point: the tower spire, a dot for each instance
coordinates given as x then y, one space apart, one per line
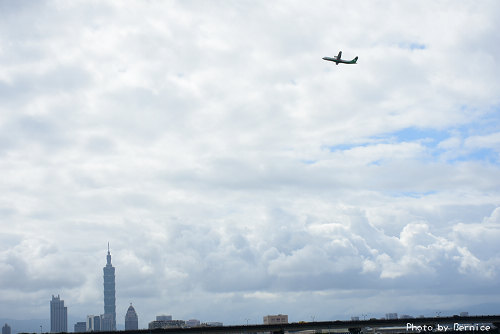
108 257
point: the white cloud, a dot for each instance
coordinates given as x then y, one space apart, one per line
232 169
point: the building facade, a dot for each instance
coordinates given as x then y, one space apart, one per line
58 315
405 316
93 323
108 319
131 319
107 322
166 324
193 323
212 324
275 319
80 327
6 329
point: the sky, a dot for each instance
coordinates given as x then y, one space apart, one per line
235 173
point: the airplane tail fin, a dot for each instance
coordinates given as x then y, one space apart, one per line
355 60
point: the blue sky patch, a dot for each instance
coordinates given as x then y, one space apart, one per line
345 147
412 194
413 46
481 154
430 136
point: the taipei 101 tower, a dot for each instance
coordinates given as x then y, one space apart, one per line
108 321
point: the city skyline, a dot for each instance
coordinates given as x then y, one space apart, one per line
235 173
59 315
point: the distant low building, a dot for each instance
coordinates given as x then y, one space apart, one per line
275 319
93 323
391 316
80 327
405 316
464 314
193 323
166 324
163 317
212 324
354 318
6 329
156 324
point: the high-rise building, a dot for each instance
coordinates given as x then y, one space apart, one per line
6 329
108 319
58 315
80 327
131 320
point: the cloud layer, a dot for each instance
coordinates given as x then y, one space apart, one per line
236 174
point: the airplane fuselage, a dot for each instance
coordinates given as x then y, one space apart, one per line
338 59
334 59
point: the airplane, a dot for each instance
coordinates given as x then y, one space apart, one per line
338 60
